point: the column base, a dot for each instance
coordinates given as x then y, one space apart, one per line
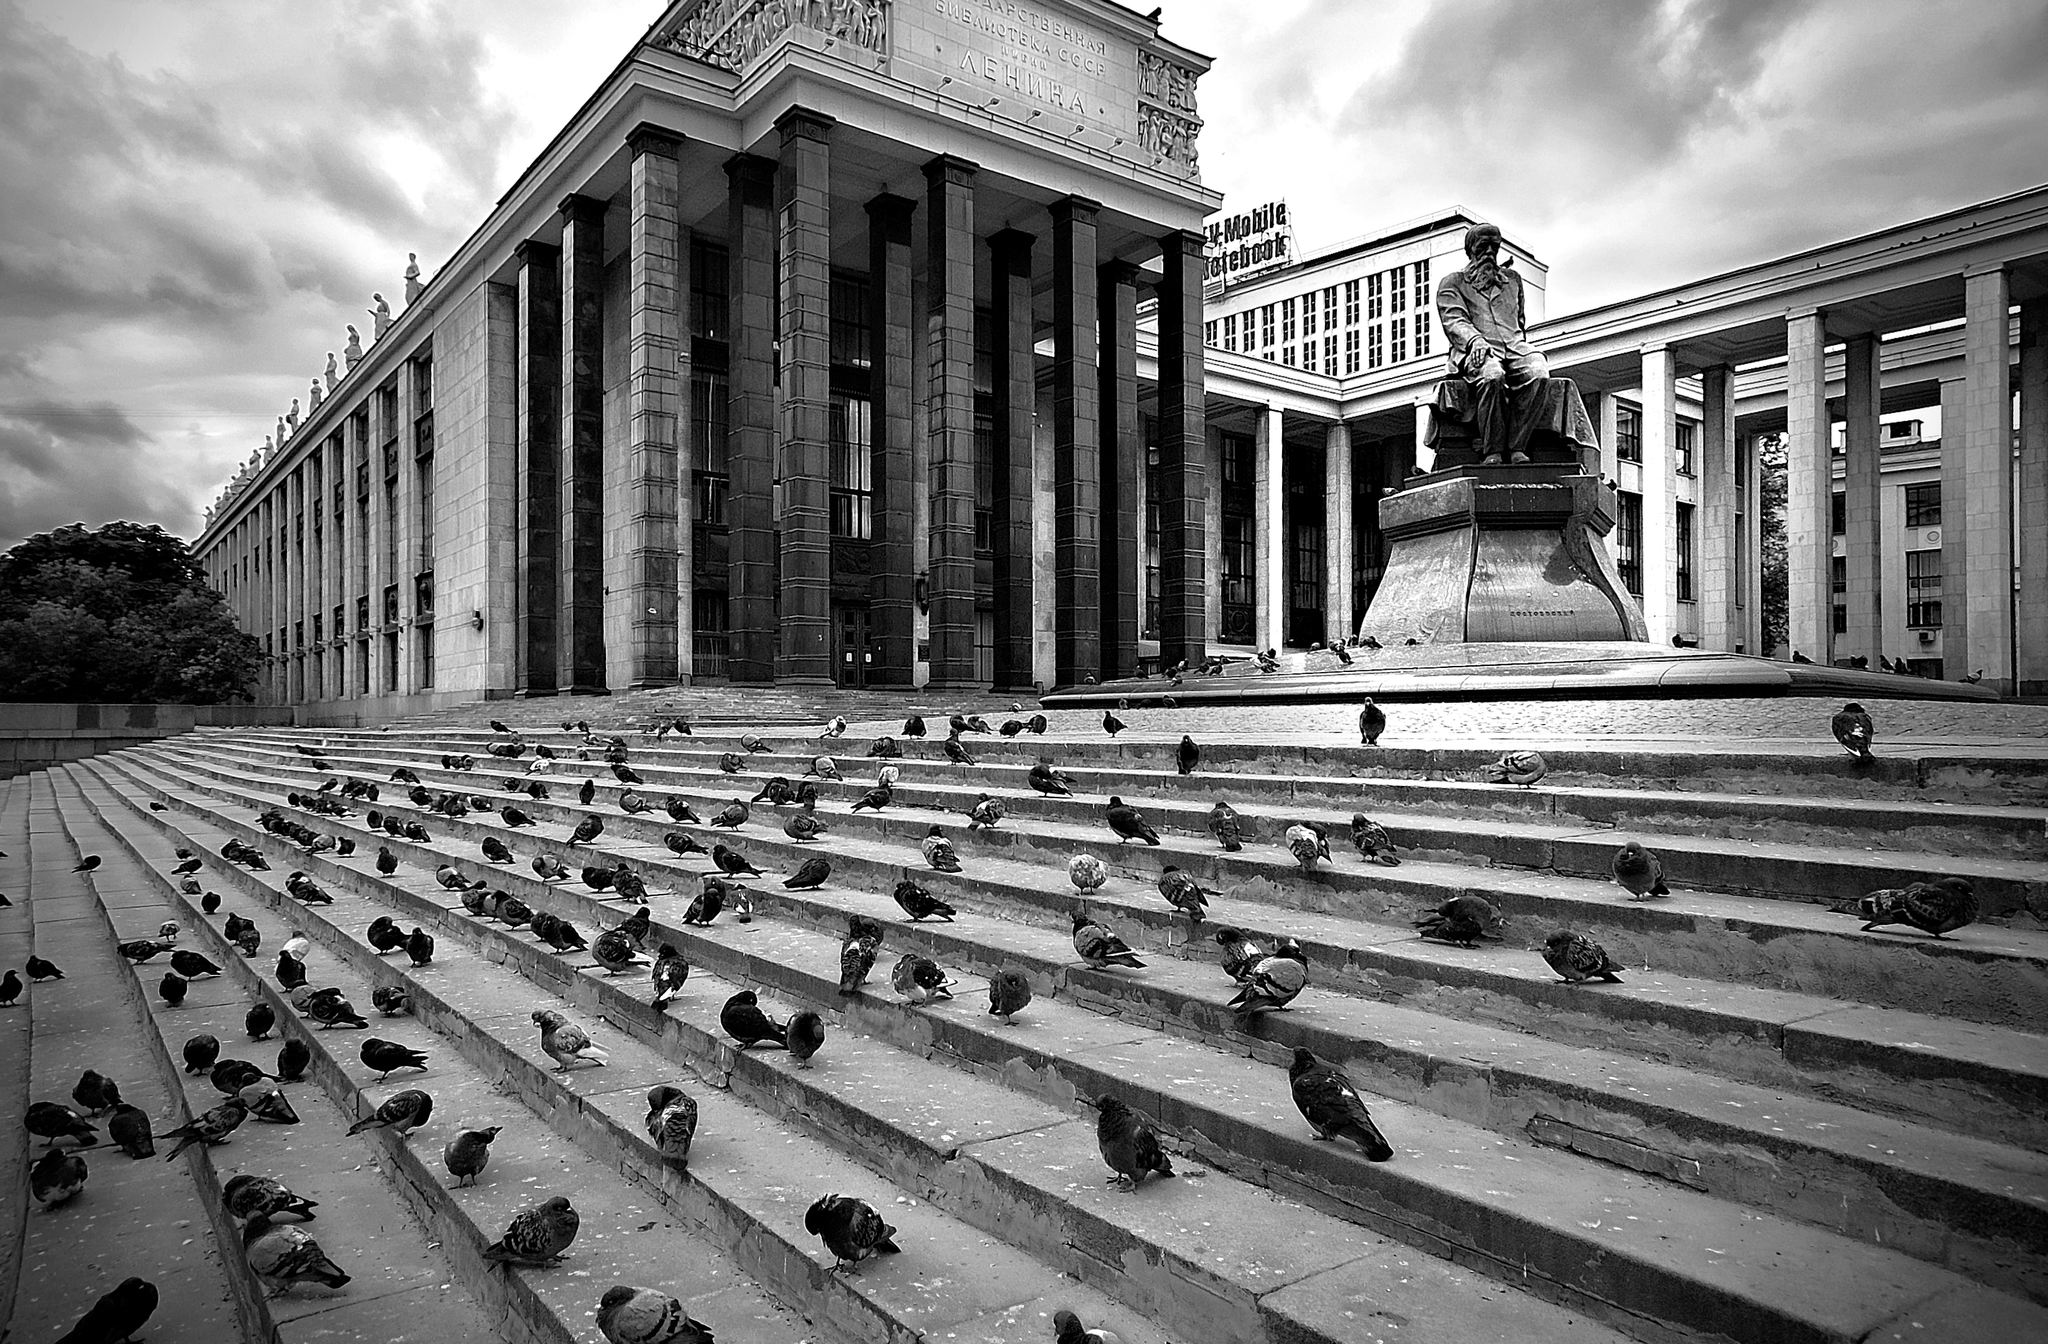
962 686
586 690
535 693
1028 689
804 679
656 683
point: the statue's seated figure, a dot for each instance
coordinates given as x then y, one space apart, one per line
1500 406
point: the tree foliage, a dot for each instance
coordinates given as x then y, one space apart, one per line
1777 596
120 613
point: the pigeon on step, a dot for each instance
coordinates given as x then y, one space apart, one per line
1640 871
565 1042
468 1153
671 1122
1129 1144
850 1229
1577 958
1332 1106
629 1315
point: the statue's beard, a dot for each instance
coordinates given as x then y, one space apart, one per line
1484 272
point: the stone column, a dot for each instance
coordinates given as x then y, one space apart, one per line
1753 547
656 544
1338 621
1955 536
539 393
1121 469
1425 456
1014 388
2033 500
1863 531
1076 443
750 436
1716 545
892 610
804 201
1660 517
408 532
1212 538
1183 452
579 650
1269 541
1984 487
949 357
1808 544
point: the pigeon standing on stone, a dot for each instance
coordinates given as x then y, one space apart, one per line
1241 952
1273 983
804 1036
1185 894
10 988
1009 993
1640 871
259 1020
1227 827
850 1229
248 1196
1067 1329
286 1256
96 1093
988 811
920 980
468 1153
1049 781
629 1315
1129 1144
172 988
293 1058
1854 730
1461 919
1306 844
1128 823
857 952
920 904
129 1128
1518 767
200 1052
1332 1106
671 1122
1187 756
1087 873
387 1056
744 1021
1371 840
213 1127
1935 908
1099 946
401 1113
810 875
56 1177
565 1043
1576 957
938 851
1111 724
1372 721
670 971
39 969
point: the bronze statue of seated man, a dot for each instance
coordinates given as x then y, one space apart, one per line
1500 406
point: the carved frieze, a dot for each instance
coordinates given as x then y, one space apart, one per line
1168 124
1171 138
734 34
1167 83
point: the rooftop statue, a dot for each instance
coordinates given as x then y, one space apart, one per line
314 404
412 278
1500 391
291 417
280 439
331 375
380 316
353 351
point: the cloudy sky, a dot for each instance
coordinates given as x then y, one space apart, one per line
200 194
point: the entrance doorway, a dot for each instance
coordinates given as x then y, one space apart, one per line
851 655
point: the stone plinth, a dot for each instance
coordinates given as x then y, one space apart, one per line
1501 555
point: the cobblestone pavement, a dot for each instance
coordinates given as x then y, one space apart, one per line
1776 724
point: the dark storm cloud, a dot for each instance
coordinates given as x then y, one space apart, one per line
62 463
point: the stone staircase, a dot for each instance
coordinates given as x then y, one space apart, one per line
1777 1128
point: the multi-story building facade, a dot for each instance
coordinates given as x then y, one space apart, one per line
872 344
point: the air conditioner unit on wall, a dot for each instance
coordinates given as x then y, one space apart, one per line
1926 636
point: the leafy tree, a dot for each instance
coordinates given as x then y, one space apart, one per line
1777 597
117 614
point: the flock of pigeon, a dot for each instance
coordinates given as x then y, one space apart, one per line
1266 977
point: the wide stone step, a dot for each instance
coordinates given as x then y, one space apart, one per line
1210 1284
1543 1214
401 1282
1784 953
1803 871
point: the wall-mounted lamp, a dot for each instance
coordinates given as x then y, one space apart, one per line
923 590
476 620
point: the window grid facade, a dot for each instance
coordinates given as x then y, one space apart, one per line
1684 447
1351 303
1628 432
1628 539
1682 548
1923 505
1375 296
1351 351
1923 588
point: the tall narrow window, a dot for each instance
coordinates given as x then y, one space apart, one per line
1685 446
1838 514
1397 290
1308 314
1628 539
1682 544
1397 340
1923 505
1351 351
1923 588
1628 432
1287 322
1422 285
1838 590
1421 331
1375 297
1230 331
1351 303
709 414
852 468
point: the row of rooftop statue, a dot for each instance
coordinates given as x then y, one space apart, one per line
1498 407
351 355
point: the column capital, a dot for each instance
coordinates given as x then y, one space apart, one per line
802 123
1986 268
648 138
1119 272
1012 245
533 250
1189 241
580 209
1078 209
951 168
890 209
750 169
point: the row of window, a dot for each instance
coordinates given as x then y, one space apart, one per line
1628 544
1304 331
1923 508
1923 589
1628 439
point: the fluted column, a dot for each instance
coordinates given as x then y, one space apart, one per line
1122 470
580 625
750 438
538 388
1014 391
803 201
1809 546
1183 450
1980 484
949 400
1076 445
892 612
1862 530
1660 497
